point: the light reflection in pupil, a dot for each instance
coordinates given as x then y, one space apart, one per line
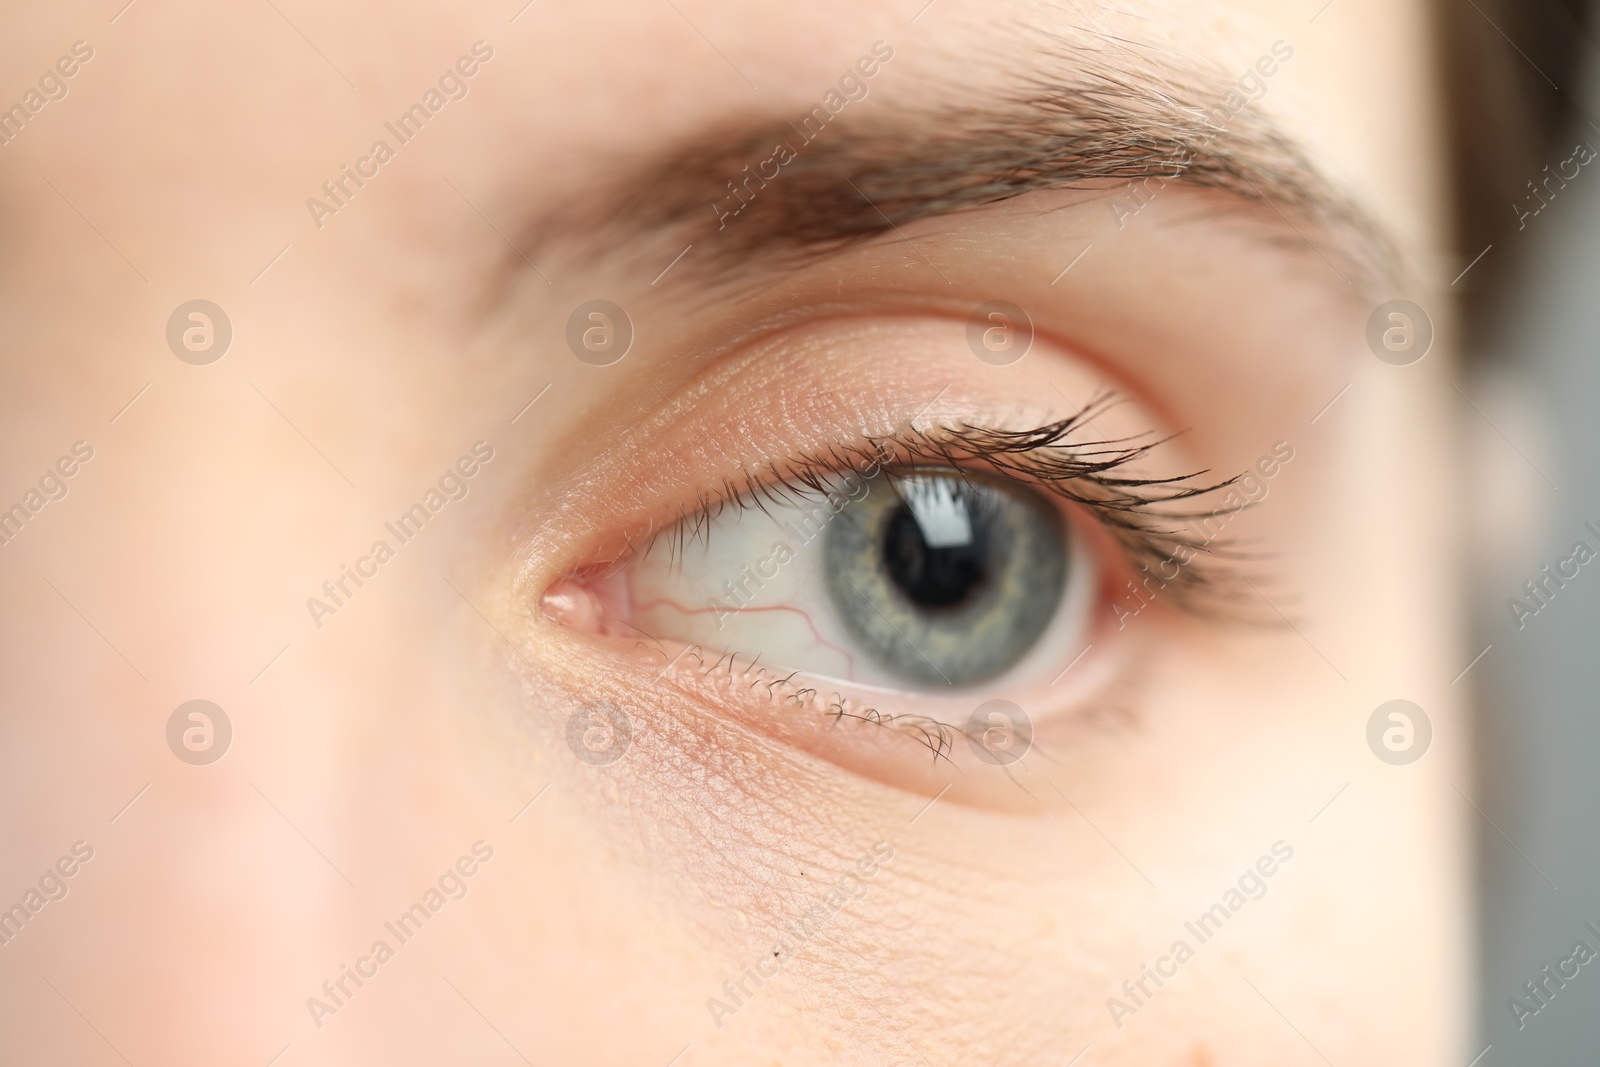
943 578
935 575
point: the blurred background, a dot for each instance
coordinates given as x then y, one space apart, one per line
1527 77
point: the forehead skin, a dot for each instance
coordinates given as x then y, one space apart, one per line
370 351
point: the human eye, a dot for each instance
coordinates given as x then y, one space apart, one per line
813 514
920 577
908 580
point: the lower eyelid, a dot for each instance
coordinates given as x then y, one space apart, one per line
907 746
910 742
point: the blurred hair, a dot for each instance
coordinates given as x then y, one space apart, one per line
1512 78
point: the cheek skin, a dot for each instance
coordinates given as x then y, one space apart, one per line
742 836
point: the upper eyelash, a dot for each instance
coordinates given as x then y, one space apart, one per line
1144 515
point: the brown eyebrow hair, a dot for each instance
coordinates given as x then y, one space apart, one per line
1102 128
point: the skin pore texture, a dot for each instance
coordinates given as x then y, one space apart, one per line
906 903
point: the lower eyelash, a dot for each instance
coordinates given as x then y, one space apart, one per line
937 736
1145 516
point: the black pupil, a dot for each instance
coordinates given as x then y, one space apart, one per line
933 577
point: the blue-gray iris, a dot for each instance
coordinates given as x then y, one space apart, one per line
945 578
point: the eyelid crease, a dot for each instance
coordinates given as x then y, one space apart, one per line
1144 515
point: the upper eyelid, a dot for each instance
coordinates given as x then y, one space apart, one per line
1137 511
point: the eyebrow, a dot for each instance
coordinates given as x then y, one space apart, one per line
1130 129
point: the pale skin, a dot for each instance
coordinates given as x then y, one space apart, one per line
619 912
